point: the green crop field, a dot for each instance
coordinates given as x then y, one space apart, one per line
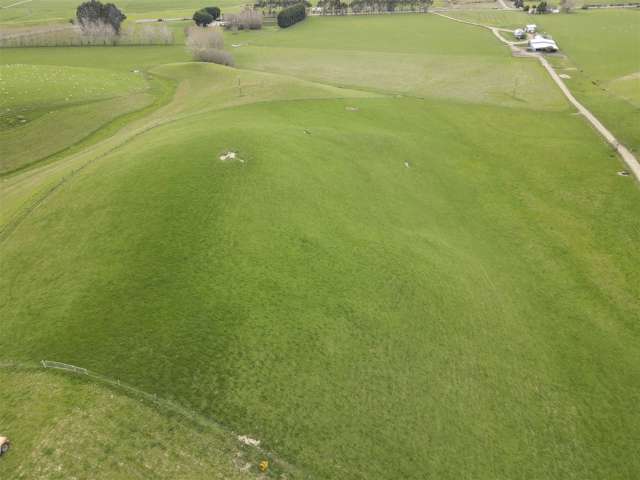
421 263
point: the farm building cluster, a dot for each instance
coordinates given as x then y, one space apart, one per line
537 42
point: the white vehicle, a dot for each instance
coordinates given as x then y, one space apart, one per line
519 33
4 445
531 28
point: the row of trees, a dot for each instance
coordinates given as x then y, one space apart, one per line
276 5
206 15
291 15
97 34
338 7
541 8
248 19
565 6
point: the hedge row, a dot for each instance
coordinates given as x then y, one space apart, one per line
291 15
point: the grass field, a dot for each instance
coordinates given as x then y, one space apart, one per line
604 74
70 426
40 11
392 61
77 100
421 263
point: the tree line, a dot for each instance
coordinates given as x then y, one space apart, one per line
338 7
291 15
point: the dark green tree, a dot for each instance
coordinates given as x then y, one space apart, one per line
95 12
202 18
213 11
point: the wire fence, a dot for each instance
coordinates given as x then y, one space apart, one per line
152 397
161 403
64 366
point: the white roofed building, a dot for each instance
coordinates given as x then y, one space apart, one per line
542 44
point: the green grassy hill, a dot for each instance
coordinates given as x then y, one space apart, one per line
394 278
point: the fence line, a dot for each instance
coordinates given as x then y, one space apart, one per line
64 366
163 403
148 396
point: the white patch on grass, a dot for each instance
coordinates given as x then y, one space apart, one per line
252 442
352 109
406 164
228 156
564 75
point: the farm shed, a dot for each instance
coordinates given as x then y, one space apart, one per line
542 44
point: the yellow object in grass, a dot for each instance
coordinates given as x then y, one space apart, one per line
264 465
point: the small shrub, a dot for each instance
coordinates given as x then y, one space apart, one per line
198 38
291 15
206 45
214 55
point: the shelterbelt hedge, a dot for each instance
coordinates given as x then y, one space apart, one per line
291 15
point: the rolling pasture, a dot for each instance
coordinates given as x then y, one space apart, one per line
420 263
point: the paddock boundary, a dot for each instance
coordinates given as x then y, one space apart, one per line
165 404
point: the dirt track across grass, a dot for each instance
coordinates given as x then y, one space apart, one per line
629 159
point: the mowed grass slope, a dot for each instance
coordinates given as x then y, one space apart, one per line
474 314
382 287
64 427
416 55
